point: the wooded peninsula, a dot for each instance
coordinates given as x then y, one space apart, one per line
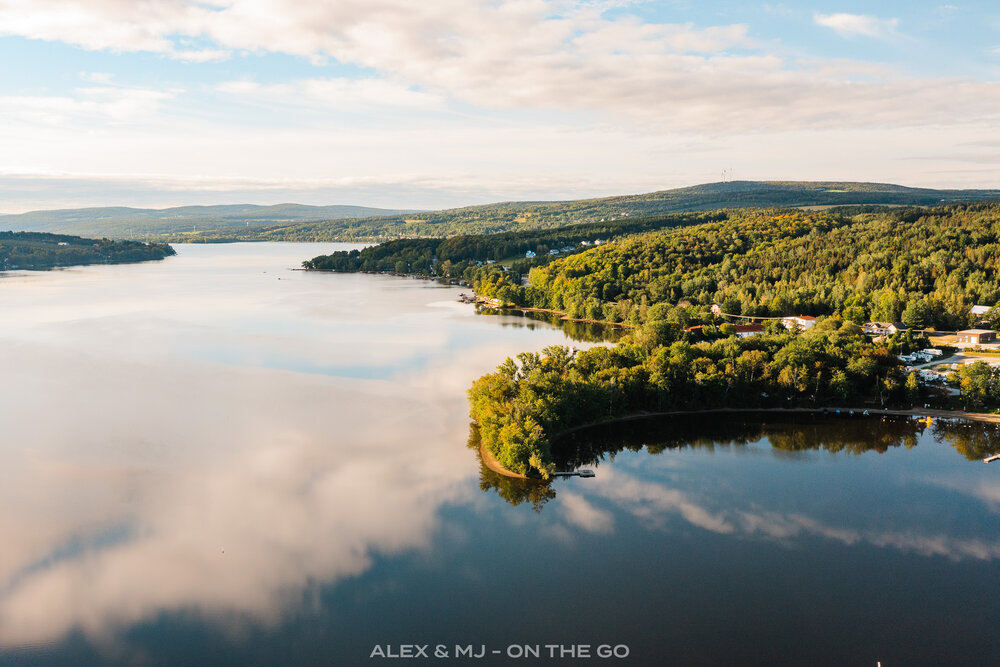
37 251
687 281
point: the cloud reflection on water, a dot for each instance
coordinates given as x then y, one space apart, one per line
231 502
658 503
202 452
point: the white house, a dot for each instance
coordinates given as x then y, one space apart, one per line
800 322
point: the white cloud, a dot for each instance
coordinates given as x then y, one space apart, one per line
529 54
858 24
555 98
102 104
102 78
339 93
583 514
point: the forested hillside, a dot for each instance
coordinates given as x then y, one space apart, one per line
30 250
452 256
925 266
180 223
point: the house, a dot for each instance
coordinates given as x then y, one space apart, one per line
529 255
881 328
716 309
744 330
979 311
800 322
553 252
976 336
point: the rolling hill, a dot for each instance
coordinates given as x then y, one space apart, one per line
291 222
125 222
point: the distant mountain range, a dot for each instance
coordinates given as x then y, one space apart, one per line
294 222
125 222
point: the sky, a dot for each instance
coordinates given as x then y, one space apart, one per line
439 103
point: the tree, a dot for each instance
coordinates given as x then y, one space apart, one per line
912 388
916 315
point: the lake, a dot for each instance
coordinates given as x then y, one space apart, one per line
215 459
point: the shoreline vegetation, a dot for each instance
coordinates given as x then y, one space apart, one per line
811 278
38 251
847 412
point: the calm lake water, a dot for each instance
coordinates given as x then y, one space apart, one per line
216 460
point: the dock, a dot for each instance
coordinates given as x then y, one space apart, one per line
989 459
584 472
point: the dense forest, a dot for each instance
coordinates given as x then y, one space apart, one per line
36 250
527 215
461 256
525 403
926 267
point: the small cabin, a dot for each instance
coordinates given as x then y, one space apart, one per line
744 330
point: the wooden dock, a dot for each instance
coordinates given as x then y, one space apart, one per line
583 472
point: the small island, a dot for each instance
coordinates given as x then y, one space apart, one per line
37 251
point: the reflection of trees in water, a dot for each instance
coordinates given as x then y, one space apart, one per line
710 431
973 440
516 491
512 489
592 445
847 435
586 332
786 432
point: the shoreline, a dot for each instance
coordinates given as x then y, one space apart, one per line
562 315
490 461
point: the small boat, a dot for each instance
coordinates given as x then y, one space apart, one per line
989 459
